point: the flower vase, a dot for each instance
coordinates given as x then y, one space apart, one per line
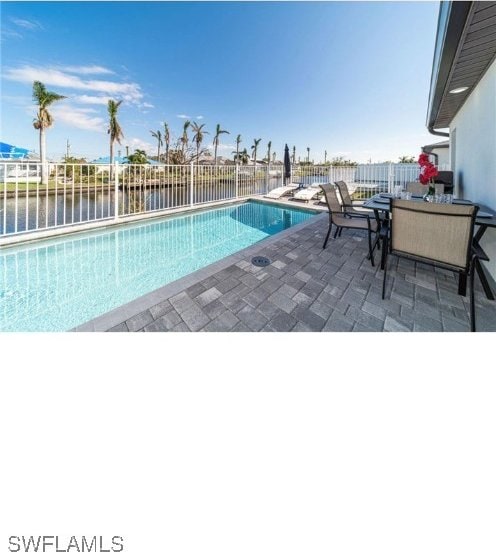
429 195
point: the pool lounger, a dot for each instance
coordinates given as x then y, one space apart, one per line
276 193
308 193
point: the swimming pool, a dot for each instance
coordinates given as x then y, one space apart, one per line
57 284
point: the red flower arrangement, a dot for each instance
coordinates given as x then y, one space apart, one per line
427 171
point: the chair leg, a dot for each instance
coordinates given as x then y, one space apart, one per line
371 253
472 298
384 252
327 237
384 266
336 232
340 231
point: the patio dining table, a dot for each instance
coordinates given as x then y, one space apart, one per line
486 218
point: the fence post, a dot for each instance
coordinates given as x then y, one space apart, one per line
236 179
390 178
191 182
329 174
267 176
116 189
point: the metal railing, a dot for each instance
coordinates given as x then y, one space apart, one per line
363 180
82 193
77 194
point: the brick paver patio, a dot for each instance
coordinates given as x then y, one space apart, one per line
307 288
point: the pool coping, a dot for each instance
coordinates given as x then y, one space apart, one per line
122 313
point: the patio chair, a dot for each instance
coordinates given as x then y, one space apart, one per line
347 202
277 193
433 233
417 188
340 220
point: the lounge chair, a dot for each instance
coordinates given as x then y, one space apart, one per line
309 193
433 233
340 220
277 193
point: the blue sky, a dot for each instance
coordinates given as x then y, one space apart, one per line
348 77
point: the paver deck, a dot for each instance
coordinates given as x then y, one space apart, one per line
305 288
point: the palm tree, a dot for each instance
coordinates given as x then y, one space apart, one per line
238 141
406 159
184 139
254 148
167 142
269 146
158 136
114 128
198 138
244 157
43 120
139 157
218 132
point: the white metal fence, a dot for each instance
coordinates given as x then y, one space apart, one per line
81 193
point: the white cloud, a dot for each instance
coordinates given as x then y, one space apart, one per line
30 25
130 92
182 116
222 147
149 105
87 70
97 100
9 33
137 143
199 117
78 117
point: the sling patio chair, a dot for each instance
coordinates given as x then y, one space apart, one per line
347 202
433 233
416 188
340 220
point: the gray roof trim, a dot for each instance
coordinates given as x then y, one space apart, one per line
429 147
465 49
451 24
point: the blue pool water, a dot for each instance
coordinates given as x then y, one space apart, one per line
57 284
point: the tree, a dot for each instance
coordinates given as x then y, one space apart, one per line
308 155
244 157
407 159
139 157
184 140
167 142
294 155
158 136
269 147
342 162
114 129
198 136
254 148
218 132
44 120
238 141
325 157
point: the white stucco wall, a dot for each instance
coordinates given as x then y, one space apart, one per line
473 152
443 158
